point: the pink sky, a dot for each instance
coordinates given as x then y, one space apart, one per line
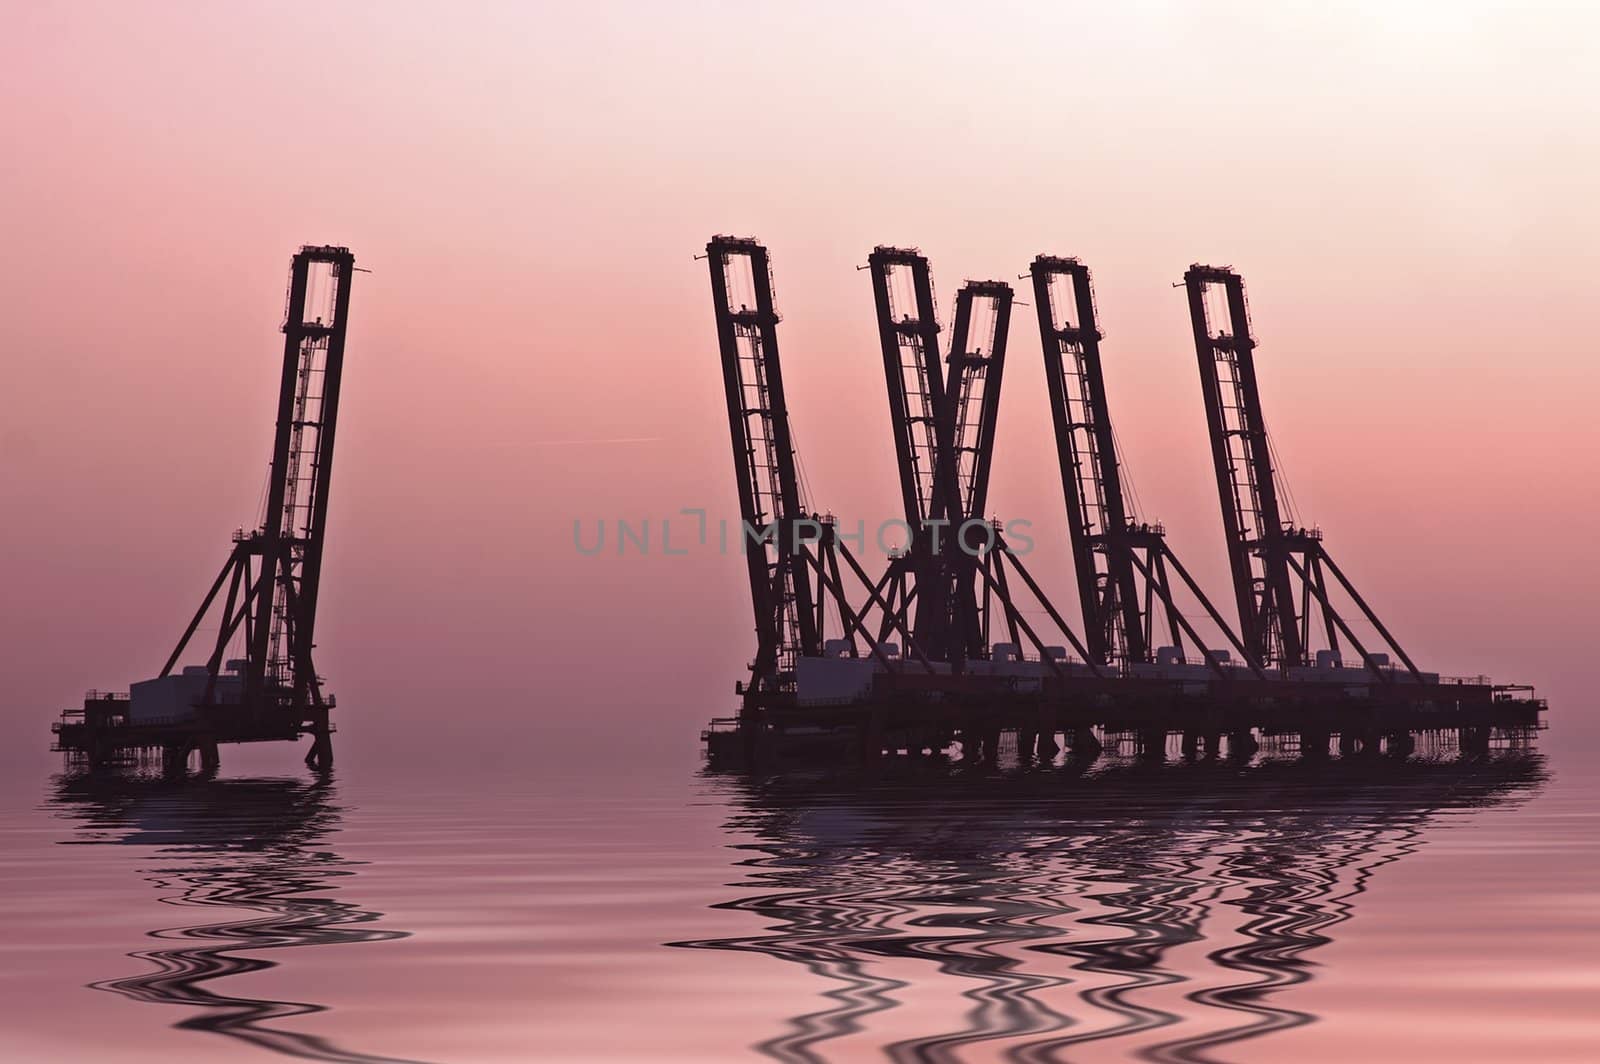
1409 193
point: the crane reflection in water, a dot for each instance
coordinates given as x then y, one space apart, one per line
250 860
1063 900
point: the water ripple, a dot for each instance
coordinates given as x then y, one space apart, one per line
1165 911
253 854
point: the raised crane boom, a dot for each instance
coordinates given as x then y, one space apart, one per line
291 536
975 368
770 502
943 418
919 416
1280 571
1091 480
908 335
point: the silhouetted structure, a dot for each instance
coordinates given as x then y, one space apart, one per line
1121 562
273 576
1277 567
945 596
943 413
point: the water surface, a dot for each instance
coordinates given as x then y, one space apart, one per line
1436 909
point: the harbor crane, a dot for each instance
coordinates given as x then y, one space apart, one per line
273 576
1280 569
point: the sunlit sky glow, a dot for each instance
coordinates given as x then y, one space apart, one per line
1409 191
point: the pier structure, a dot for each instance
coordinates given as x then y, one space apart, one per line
264 600
955 645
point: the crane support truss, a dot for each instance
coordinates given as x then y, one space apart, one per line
1280 571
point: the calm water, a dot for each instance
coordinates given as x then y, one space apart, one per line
1432 910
